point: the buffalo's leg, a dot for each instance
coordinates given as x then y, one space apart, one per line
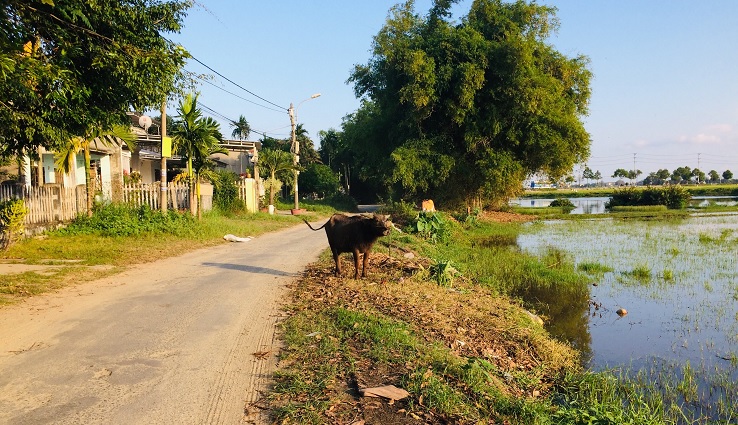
356 264
366 260
337 260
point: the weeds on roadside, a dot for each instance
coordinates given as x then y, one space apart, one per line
123 220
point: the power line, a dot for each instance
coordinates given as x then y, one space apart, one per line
236 84
219 115
243 98
216 113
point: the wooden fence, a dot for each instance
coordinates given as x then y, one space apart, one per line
178 195
51 205
48 205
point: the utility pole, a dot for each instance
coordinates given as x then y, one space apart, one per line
635 176
295 152
296 146
163 181
698 167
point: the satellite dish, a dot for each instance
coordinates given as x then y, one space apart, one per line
145 122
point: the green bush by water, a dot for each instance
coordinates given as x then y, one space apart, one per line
673 197
563 203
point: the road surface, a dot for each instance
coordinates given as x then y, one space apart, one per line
185 340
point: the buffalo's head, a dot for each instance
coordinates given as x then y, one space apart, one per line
381 224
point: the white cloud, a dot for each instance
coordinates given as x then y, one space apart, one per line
712 135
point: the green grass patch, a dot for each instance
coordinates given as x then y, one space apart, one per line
640 273
547 212
638 208
594 268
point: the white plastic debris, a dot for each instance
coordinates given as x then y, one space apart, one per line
234 238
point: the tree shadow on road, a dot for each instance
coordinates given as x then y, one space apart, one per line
250 269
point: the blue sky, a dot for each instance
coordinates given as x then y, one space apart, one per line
665 84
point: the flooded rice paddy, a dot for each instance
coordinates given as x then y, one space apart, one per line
678 281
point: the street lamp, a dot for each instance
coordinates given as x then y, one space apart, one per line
296 146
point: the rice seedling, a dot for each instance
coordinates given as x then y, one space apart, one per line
594 268
641 273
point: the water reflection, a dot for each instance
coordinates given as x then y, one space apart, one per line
708 201
582 205
567 312
596 205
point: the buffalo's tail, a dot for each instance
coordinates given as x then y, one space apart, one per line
311 227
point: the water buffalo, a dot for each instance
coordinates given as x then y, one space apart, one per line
355 234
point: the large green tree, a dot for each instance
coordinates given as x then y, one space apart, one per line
319 179
681 173
337 154
464 111
69 66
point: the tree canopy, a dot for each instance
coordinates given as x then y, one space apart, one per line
69 65
464 111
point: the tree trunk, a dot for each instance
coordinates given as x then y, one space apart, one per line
271 190
88 180
191 180
198 196
40 168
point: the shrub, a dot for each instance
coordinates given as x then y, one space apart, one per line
342 202
443 273
622 197
319 179
402 213
469 218
431 226
564 203
124 220
12 216
674 197
225 192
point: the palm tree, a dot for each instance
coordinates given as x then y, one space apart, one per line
65 157
274 162
202 162
241 129
194 137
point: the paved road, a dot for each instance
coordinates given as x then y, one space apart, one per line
170 342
